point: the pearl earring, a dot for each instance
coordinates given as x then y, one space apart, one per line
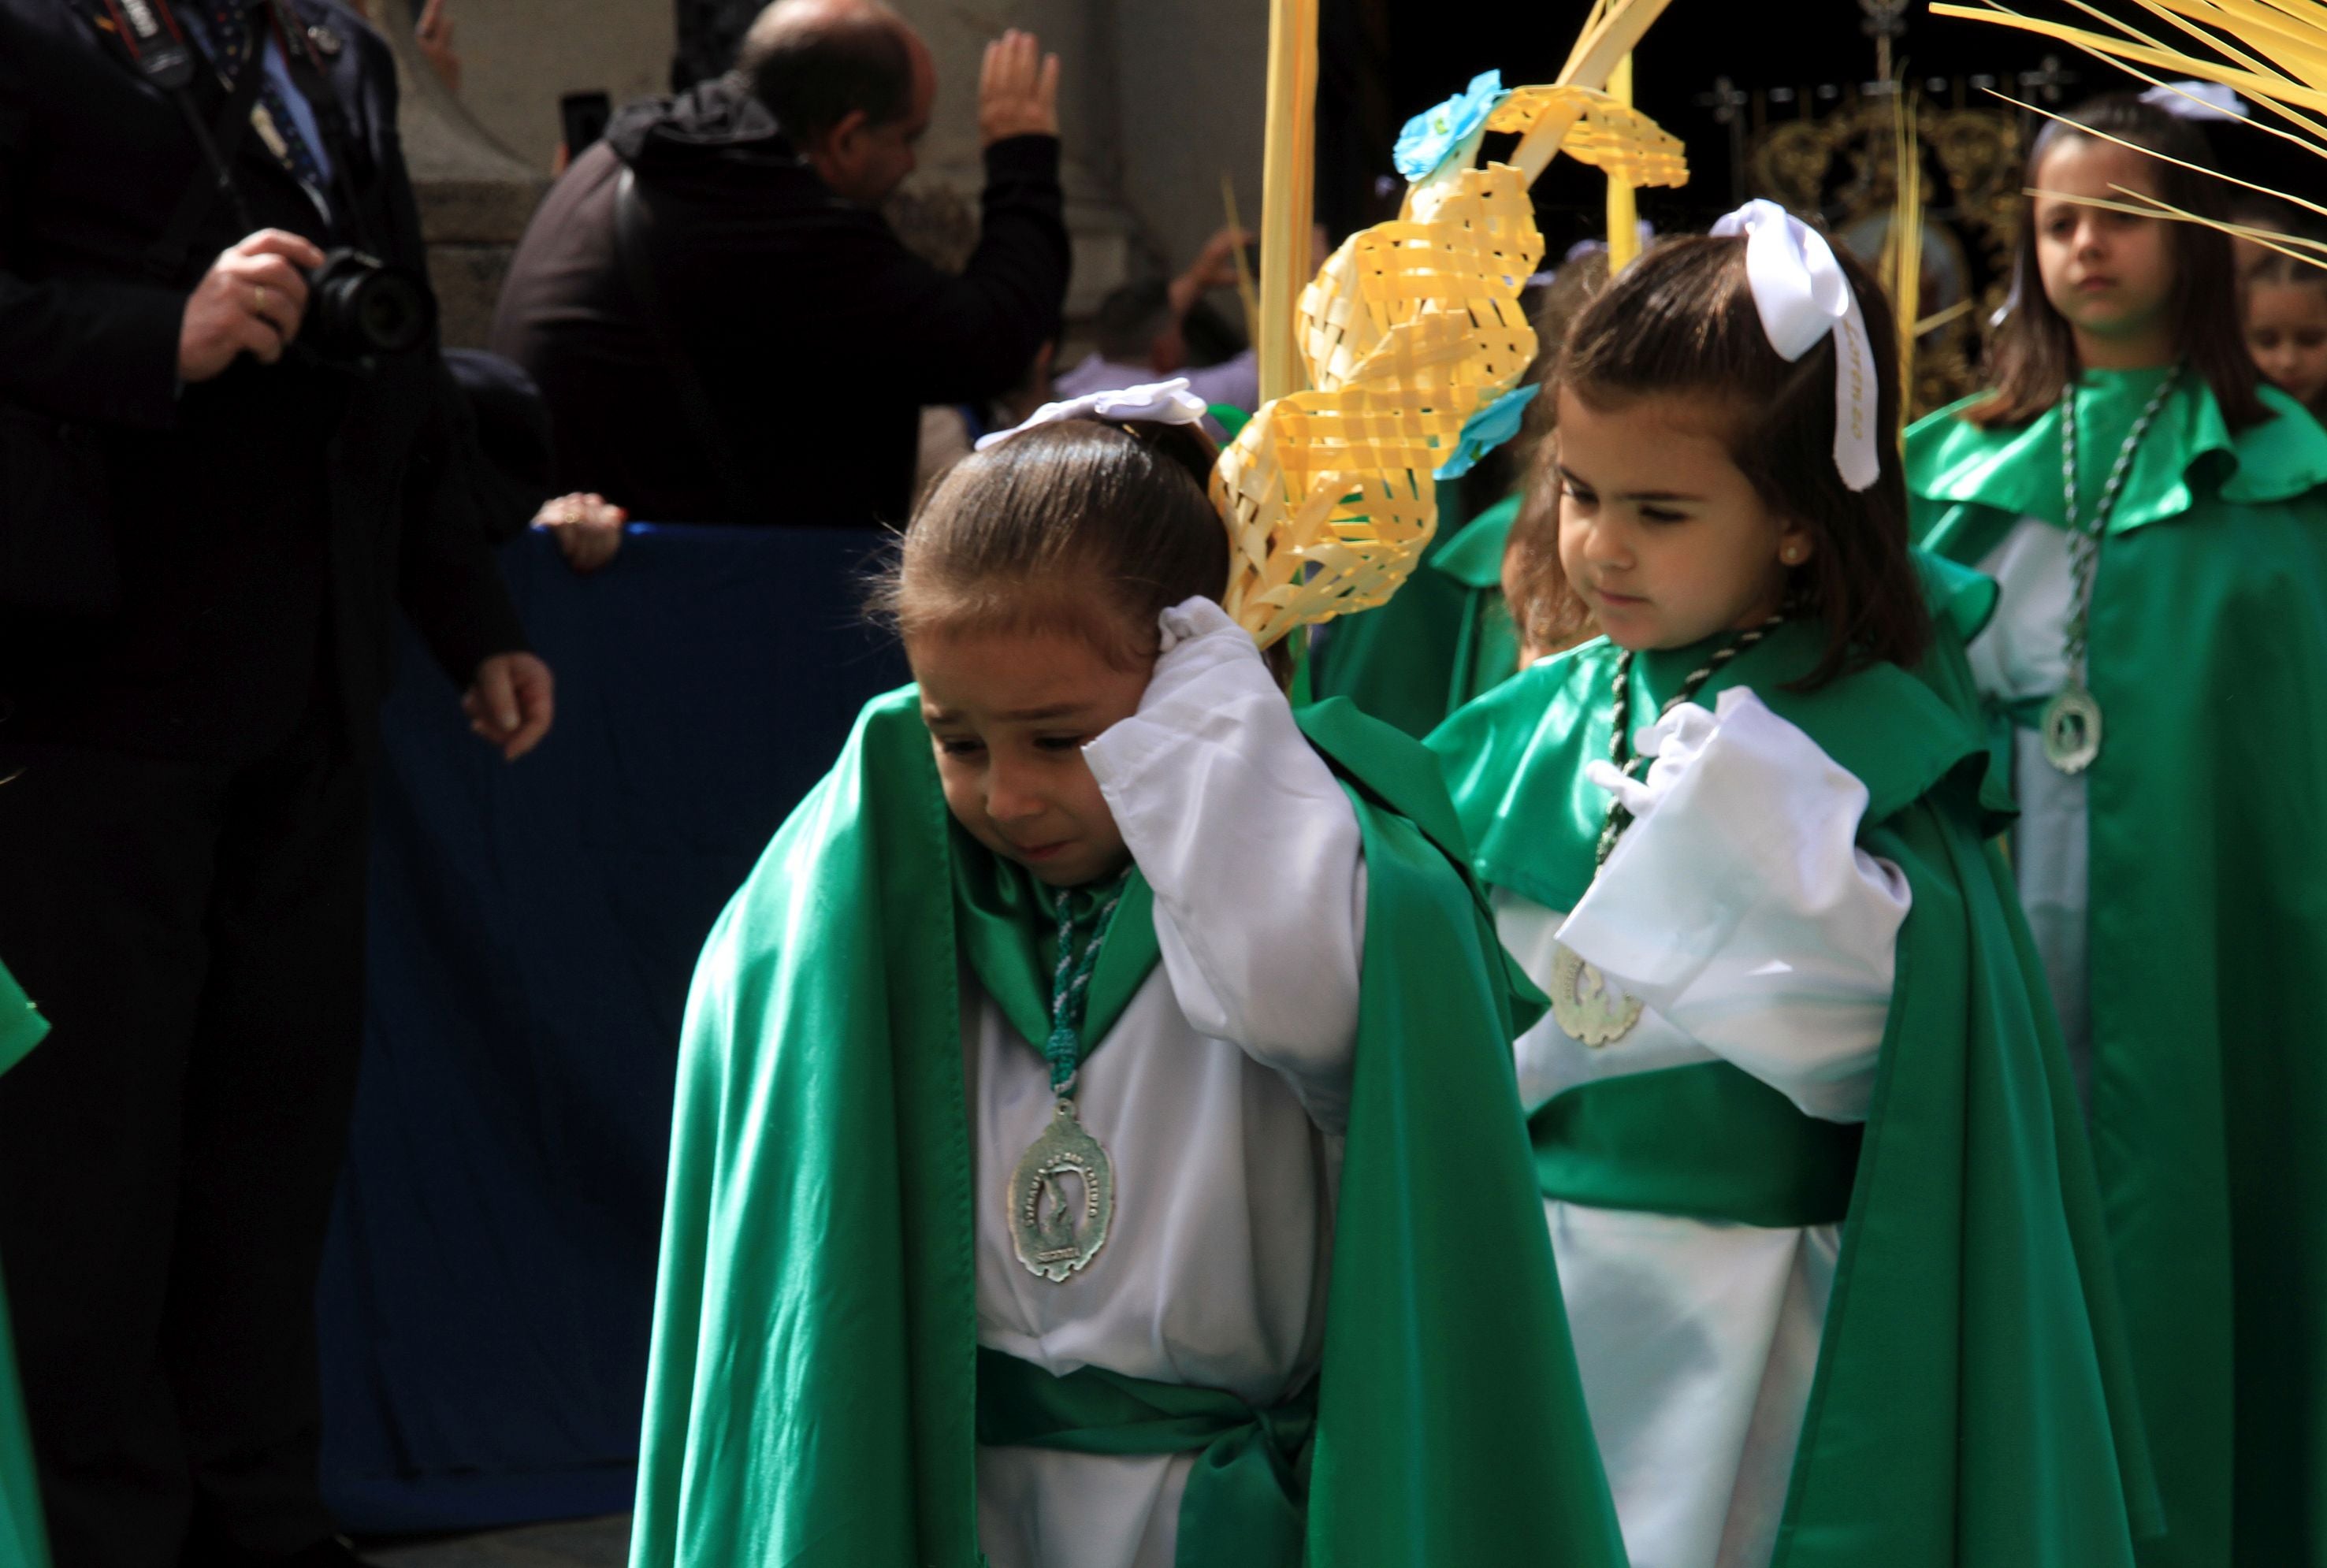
1791 554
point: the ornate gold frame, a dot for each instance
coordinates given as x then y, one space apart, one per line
1977 151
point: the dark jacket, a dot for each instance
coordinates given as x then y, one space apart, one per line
815 334
267 521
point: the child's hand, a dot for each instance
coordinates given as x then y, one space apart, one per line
1208 662
1195 618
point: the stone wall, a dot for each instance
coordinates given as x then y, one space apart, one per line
1159 99
475 195
518 56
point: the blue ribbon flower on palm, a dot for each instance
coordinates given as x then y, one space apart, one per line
1432 136
1487 429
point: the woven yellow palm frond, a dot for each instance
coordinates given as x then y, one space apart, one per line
1409 330
1328 494
1474 253
1602 131
2273 53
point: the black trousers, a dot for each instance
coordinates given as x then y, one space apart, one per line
194 933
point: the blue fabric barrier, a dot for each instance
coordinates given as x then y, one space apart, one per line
486 1296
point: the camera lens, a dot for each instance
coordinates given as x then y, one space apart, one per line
389 313
361 307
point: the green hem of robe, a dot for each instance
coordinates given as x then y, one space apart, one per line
24 1535
810 1397
2208 932
1972 1403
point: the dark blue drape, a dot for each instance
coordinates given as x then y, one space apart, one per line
486 1297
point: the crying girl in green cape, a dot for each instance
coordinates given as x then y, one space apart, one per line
1097 1144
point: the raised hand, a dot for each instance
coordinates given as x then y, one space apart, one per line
433 33
1017 89
1214 267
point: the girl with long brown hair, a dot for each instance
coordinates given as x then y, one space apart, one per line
2154 517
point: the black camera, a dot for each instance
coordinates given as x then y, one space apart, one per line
359 306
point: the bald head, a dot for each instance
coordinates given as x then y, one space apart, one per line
814 62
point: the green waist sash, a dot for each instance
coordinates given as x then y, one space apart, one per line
1709 1140
1245 1505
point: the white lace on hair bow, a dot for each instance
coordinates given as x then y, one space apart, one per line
1802 295
1165 402
2197 100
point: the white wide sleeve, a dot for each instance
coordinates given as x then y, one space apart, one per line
1252 851
1742 911
2020 655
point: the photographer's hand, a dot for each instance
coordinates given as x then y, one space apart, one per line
1017 89
251 301
510 703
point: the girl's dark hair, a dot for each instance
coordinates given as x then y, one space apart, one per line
2034 351
1681 322
1081 527
2278 267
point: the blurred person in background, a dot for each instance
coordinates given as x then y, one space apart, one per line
1140 335
724 325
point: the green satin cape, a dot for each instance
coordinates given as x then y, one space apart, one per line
810 1397
1443 639
1971 1404
2208 931
23 1536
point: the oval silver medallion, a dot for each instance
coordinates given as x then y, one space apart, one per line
1061 1198
2072 729
1584 1005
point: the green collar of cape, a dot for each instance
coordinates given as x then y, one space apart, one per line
1515 758
2017 471
1442 639
2207 932
24 1538
1009 934
811 1395
1972 1404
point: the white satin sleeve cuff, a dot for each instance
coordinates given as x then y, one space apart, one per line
1742 911
1254 852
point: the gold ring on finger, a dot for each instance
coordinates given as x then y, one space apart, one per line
259 298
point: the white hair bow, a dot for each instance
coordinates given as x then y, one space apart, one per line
1801 293
1164 402
2196 100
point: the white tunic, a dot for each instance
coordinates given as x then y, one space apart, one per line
1741 912
2021 657
1219 1094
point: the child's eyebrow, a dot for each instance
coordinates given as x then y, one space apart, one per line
931 715
1570 475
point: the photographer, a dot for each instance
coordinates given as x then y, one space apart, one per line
225 456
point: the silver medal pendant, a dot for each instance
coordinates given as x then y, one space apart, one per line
1584 1005
1061 1198
2072 729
